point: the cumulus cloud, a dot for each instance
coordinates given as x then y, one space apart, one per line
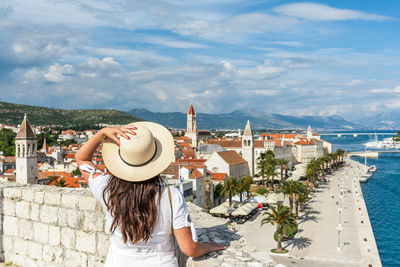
386 90
320 12
57 73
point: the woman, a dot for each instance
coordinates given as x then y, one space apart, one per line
142 212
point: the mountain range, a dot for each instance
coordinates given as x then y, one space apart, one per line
237 120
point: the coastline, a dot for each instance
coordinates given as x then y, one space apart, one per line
317 240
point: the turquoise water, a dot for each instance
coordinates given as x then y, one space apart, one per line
382 196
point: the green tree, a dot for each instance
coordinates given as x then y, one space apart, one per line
270 172
281 216
230 188
61 183
7 144
288 189
242 186
299 188
283 164
76 172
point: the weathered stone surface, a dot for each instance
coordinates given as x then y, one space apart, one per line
25 229
68 238
75 259
35 250
41 232
39 196
94 261
86 242
9 207
63 217
52 198
54 235
49 214
28 194
10 225
52 254
103 244
69 201
87 203
75 219
93 222
22 209
20 246
12 192
35 211
7 243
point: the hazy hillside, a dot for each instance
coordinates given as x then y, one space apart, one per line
238 119
14 113
383 121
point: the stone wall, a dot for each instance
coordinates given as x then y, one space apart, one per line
51 226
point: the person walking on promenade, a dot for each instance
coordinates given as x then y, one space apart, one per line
143 213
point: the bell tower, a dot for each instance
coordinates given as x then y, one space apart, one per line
26 154
191 128
248 147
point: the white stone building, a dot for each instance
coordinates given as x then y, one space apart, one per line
229 162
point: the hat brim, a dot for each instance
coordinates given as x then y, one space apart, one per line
165 154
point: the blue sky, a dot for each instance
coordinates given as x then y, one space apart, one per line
288 57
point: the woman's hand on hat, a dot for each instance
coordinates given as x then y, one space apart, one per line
114 132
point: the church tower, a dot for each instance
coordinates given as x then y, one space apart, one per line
26 154
191 129
248 147
309 133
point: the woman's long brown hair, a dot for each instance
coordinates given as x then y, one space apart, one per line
134 206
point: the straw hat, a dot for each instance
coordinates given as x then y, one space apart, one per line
144 156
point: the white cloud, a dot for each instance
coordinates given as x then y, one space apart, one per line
263 92
386 90
57 73
320 12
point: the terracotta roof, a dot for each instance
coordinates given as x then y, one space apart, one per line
9 159
231 157
191 110
219 176
226 143
25 131
172 169
9 171
304 142
195 174
69 181
70 156
278 136
182 138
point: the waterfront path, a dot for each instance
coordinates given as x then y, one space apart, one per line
317 240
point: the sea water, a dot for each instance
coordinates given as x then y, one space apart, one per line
381 194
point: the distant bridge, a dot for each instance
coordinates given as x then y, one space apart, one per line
371 154
356 134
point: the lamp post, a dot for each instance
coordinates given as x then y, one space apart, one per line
339 228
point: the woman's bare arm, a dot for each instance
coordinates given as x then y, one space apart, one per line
194 249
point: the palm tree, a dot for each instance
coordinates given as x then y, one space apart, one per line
207 193
282 216
271 173
299 188
242 186
288 189
249 181
61 183
283 163
230 188
261 165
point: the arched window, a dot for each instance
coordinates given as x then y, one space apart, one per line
23 151
17 150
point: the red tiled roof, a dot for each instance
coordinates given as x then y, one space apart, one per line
195 174
226 143
219 176
25 131
9 171
304 142
70 156
191 110
231 157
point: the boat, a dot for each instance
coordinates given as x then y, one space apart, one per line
363 179
372 168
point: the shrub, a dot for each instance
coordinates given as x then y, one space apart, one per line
261 191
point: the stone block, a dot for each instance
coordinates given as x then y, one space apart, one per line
93 222
49 214
103 244
22 209
25 229
16 259
35 250
28 194
52 255
41 232
63 217
20 246
7 243
69 201
10 225
12 192
87 203
86 242
39 196
52 198
94 261
54 235
35 211
9 207
75 259
75 219
68 238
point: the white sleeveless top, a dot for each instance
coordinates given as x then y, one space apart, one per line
158 250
